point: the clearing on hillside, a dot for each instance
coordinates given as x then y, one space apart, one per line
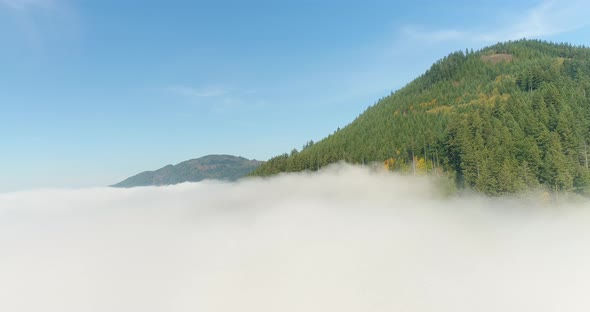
497 58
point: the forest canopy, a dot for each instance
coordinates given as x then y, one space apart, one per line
503 119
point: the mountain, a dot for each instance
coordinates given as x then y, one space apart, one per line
219 167
506 118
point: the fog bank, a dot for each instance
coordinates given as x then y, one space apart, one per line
344 239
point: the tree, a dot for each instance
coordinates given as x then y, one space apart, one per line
557 173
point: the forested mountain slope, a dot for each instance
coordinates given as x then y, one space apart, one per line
503 119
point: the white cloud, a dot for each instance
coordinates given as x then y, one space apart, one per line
219 99
341 240
546 19
27 4
197 92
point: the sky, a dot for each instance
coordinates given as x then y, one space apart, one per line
92 92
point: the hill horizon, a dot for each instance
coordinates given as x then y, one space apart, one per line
213 166
508 117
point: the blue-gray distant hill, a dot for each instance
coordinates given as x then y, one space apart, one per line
218 167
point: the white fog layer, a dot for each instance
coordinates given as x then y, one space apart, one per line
341 240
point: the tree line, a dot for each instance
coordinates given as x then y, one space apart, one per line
493 126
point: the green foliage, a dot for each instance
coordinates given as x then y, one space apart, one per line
509 117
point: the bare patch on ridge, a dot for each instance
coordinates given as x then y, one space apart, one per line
497 58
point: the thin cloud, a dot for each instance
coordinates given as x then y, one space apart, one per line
218 99
434 36
197 92
546 19
27 4
41 24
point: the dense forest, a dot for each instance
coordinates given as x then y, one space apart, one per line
503 119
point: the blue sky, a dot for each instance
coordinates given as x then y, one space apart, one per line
94 91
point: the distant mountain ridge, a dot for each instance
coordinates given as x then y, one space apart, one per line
218 167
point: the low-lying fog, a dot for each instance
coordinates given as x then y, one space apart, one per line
341 240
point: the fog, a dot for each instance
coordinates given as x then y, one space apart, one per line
345 239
